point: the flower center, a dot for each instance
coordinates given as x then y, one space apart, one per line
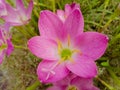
66 54
72 88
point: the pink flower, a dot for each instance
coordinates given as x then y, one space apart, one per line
73 82
3 10
16 16
69 9
6 46
65 48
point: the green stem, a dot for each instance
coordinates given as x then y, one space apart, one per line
103 13
22 31
115 78
43 5
34 86
59 5
20 47
36 13
94 23
113 16
30 30
105 84
53 2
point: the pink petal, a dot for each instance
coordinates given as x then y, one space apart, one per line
61 15
43 48
83 67
20 6
70 8
83 83
29 9
12 15
92 44
56 88
51 71
3 10
65 81
10 47
19 15
50 25
74 23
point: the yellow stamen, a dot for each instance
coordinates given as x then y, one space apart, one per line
77 51
69 41
71 59
61 60
59 46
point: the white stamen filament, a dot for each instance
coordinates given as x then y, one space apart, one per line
49 70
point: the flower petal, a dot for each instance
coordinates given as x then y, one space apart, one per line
20 6
19 15
92 44
61 15
43 48
12 15
83 67
83 83
55 88
74 23
66 80
70 8
51 71
29 9
10 47
50 25
3 10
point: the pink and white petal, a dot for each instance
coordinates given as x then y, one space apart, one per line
50 25
43 48
10 47
61 15
6 27
74 23
83 83
20 6
12 16
83 67
65 81
69 8
92 44
29 9
3 10
51 71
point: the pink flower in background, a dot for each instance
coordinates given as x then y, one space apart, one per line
16 16
73 82
65 48
6 46
69 9
3 10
